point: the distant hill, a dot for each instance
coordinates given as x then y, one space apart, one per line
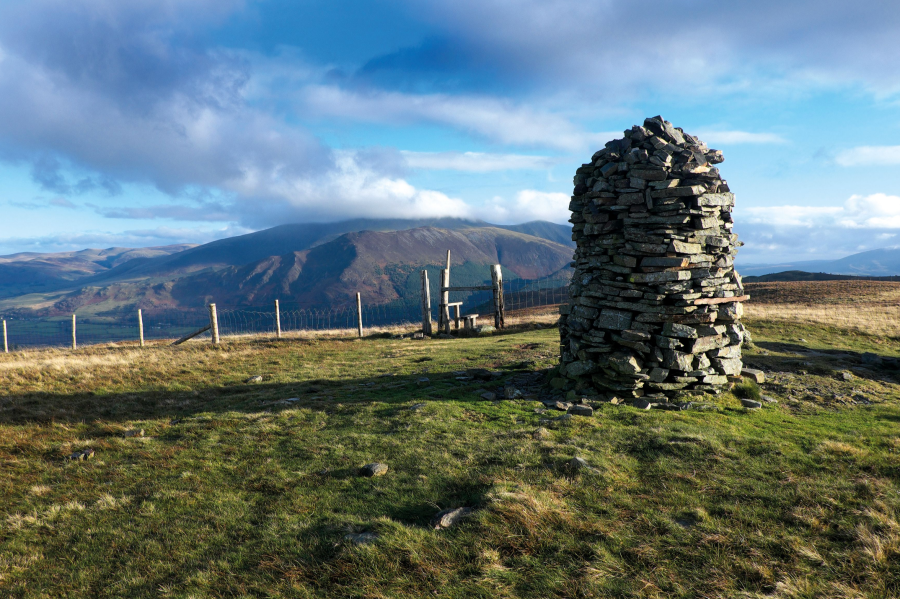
799 275
28 272
382 265
874 263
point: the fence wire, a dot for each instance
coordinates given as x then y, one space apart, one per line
22 333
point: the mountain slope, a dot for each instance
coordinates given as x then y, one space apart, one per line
382 266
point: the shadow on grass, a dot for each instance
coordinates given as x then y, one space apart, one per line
316 394
824 360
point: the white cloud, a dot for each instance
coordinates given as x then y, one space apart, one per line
869 156
490 117
476 162
739 137
876 211
527 205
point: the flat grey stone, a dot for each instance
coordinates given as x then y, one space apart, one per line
579 410
373 469
769 399
254 379
489 396
750 404
450 517
641 404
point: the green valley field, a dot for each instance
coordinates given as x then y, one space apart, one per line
233 491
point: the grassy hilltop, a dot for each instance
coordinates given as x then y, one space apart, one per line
234 492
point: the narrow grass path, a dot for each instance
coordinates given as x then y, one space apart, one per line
234 492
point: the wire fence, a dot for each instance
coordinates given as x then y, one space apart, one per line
23 332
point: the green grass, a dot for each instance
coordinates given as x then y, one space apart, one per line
234 493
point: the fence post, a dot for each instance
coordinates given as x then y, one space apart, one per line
445 301
141 326
497 284
214 324
359 314
5 340
426 304
277 320
74 338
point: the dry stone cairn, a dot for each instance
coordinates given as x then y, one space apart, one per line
655 303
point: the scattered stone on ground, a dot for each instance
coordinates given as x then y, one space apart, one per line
540 433
361 538
641 404
511 393
757 376
578 464
664 405
489 396
254 379
424 380
750 404
416 407
373 469
133 433
847 375
84 454
579 410
769 399
450 517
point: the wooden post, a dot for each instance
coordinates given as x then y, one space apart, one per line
426 304
5 340
359 315
214 324
74 339
497 284
456 315
141 326
277 320
445 301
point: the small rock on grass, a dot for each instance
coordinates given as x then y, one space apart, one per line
489 396
769 399
847 376
757 376
641 404
540 433
134 433
579 410
577 464
254 379
373 469
450 517
750 404
361 538
84 454
416 407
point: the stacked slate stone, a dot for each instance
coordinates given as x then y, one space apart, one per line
655 303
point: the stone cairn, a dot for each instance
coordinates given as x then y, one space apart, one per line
655 303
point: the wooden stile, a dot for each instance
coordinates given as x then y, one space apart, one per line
359 315
141 327
277 320
426 304
213 324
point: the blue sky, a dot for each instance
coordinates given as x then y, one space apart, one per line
149 122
